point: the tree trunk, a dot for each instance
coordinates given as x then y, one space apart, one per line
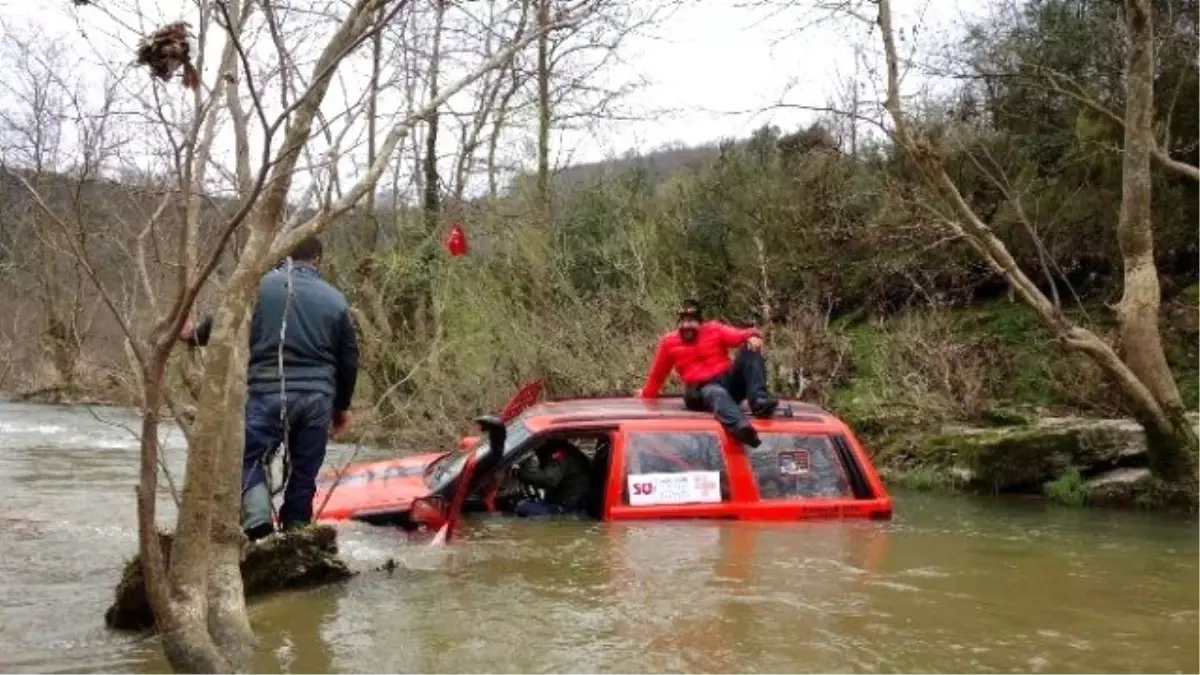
543 82
432 184
64 345
223 424
180 611
1138 311
498 119
372 114
204 572
228 623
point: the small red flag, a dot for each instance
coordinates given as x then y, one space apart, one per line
456 243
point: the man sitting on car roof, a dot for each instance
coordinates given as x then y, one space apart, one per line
698 351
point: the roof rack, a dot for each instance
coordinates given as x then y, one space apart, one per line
632 407
616 417
626 394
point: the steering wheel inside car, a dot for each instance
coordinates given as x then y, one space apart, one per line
502 491
524 490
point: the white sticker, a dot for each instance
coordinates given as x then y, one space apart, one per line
794 463
690 487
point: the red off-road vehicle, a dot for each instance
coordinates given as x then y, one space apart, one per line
650 459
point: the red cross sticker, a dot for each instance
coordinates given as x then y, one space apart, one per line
705 485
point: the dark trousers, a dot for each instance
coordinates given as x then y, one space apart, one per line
723 395
532 508
309 416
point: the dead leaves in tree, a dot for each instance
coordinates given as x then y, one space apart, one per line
166 50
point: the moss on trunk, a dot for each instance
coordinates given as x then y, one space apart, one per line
290 560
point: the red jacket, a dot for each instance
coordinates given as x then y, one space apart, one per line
698 362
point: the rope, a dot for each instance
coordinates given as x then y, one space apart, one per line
284 423
283 416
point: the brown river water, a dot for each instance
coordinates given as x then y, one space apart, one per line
949 585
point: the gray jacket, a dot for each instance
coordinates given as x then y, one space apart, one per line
321 350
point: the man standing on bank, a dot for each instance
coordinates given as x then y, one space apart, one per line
698 351
320 369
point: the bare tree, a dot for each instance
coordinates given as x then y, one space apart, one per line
567 94
542 191
433 184
1142 372
495 93
32 130
372 119
510 83
567 71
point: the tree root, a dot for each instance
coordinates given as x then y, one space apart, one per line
287 561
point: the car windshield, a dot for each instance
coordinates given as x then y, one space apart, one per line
446 469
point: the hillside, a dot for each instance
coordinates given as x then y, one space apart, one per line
655 166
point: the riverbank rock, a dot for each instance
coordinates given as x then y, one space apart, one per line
1005 459
1023 458
1135 488
286 561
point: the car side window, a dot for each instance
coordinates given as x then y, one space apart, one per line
674 467
798 466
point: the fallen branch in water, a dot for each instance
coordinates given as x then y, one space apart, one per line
337 481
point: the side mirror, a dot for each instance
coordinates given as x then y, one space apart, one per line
489 422
497 434
467 442
494 427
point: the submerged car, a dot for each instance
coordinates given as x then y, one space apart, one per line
650 459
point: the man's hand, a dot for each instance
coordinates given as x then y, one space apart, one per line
341 420
754 344
520 467
188 331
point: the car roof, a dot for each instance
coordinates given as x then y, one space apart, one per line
630 408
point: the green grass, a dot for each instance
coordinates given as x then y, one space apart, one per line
999 353
1068 489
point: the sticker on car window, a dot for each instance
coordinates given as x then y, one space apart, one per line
687 487
793 463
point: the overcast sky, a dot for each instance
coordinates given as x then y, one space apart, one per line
706 59
712 57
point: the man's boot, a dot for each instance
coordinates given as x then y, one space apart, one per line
764 407
256 512
748 436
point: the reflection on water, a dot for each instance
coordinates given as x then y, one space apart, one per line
949 585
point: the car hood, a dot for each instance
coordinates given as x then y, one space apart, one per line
371 487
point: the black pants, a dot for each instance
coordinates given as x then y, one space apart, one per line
309 416
723 395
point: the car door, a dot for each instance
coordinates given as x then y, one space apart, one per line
670 469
